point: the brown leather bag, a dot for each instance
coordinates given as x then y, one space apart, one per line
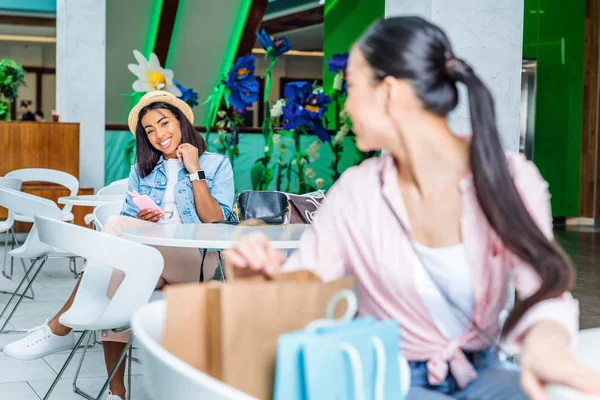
303 208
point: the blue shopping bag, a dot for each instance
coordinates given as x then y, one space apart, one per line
340 359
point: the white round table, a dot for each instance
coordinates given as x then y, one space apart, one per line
212 236
588 353
90 200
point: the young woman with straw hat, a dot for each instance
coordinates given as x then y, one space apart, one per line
189 184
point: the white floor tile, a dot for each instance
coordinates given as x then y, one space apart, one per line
22 321
9 285
49 281
23 371
37 308
64 389
7 338
93 365
17 391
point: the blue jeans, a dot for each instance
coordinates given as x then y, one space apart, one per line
495 381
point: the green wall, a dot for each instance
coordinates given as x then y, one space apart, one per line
251 148
553 34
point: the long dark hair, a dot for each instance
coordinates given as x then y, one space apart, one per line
413 49
146 156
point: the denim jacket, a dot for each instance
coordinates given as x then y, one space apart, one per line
219 178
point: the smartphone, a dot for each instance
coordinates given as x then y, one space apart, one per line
144 202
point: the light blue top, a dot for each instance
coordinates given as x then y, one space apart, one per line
219 179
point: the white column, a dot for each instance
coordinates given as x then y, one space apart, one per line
80 80
489 35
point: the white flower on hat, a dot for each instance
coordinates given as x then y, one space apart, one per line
151 76
319 183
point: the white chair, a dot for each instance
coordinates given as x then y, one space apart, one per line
32 249
115 188
104 212
166 376
92 310
120 182
588 353
51 176
6 226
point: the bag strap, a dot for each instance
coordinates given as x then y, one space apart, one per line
465 319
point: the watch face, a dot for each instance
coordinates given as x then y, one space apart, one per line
201 175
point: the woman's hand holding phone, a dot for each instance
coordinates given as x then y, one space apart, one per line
149 215
149 210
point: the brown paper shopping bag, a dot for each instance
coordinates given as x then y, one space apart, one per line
230 330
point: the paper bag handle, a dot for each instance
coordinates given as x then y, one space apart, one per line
351 309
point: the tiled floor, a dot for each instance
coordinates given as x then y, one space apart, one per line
583 246
29 380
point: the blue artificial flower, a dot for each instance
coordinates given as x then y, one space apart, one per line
338 63
242 84
279 45
188 95
306 107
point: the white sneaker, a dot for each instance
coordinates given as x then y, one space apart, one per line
39 343
113 396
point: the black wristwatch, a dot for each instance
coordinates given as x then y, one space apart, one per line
197 176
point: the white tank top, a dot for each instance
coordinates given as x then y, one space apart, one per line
449 267
173 166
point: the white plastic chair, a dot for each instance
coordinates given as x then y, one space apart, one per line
33 249
115 188
50 176
92 310
120 182
104 212
7 226
166 376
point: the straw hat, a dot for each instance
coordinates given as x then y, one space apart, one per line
158 96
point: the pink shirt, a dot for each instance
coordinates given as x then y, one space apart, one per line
356 233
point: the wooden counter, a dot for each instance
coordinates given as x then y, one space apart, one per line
41 145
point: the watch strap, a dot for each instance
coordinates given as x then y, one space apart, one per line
198 176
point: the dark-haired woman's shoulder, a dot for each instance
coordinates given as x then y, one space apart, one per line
361 183
524 172
532 188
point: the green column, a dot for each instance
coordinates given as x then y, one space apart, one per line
345 21
553 34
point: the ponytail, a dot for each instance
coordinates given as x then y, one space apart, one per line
501 201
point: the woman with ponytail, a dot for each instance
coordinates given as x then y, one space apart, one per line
439 228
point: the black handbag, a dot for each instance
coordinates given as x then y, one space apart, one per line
269 207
